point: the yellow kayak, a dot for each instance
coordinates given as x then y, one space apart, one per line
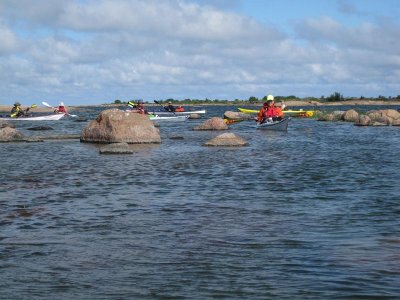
295 113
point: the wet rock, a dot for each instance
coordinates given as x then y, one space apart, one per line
40 128
8 134
4 125
327 117
385 116
226 139
194 116
117 126
396 122
379 124
234 115
80 119
350 116
214 123
116 148
363 120
33 139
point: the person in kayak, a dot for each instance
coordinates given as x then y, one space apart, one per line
169 107
269 112
61 109
17 111
140 108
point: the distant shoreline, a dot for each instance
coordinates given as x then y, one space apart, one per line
289 103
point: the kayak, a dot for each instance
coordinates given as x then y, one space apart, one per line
168 118
180 113
281 125
294 113
37 118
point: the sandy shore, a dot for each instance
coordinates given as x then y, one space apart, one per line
292 103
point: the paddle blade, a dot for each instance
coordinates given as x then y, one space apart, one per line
33 106
46 104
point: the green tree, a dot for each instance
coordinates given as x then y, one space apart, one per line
336 96
253 99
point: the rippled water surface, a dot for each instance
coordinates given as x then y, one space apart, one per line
308 213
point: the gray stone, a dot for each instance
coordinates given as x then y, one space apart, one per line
8 134
226 139
116 148
117 126
350 116
214 123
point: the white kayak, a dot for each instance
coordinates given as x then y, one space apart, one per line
281 125
180 113
168 118
54 117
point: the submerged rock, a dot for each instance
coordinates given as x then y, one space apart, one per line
214 123
226 139
40 128
194 116
116 126
116 148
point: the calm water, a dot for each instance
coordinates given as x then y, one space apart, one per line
309 213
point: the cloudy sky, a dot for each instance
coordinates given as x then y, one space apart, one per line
94 51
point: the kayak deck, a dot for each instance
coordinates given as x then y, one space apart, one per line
37 118
281 125
294 113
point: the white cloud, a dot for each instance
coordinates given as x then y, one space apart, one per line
103 50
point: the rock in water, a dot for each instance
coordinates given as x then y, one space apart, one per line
116 148
214 123
226 139
117 126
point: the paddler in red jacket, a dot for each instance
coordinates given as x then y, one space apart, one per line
269 111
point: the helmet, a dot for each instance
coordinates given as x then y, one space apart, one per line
140 102
17 104
61 103
270 97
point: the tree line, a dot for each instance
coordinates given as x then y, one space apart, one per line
334 97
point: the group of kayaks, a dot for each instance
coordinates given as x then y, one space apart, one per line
184 115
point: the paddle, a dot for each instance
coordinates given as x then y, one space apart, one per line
155 101
48 105
13 115
131 104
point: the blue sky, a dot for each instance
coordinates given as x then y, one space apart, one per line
93 52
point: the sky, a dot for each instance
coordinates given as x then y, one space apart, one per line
94 52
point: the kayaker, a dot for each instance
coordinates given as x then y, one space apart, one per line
61 109
17 111
169 107
140 108
179 109
269 111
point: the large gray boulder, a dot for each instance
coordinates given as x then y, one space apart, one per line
350 116
363 120
117 126
10 134
214 123
385 116
226 139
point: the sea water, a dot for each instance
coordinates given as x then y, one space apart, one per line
308 213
